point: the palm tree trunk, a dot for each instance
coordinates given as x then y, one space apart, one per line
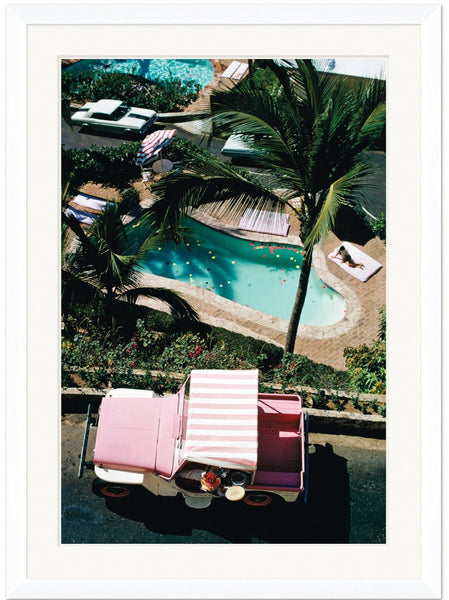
251 71
298 304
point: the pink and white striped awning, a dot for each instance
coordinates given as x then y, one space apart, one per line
153 143
222 419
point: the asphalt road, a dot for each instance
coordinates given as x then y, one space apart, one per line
346 503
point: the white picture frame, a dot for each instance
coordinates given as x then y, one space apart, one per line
24 470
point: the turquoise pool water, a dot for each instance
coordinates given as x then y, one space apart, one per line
262 276
200 71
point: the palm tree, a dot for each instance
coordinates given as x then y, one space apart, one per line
103 264
309 135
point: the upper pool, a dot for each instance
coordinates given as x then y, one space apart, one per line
260 275
199 70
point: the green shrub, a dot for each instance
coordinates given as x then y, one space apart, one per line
108 166
183 150
296 370
320 400
366 364
161 96
151 340
379 226
191 351
265 78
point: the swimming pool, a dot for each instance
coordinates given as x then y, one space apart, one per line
260 275
199 70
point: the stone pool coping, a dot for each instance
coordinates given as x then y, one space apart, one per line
222 312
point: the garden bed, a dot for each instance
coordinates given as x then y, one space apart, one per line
161 382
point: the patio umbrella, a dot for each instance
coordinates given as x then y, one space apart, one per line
153 144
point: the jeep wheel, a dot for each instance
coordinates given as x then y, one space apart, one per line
115 491
258 499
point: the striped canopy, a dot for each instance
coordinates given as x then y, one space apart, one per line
153 144
222 419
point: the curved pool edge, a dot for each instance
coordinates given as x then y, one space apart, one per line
222 312
353 306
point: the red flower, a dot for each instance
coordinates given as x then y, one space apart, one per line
132 364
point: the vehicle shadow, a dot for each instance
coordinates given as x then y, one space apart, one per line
325 518
122 135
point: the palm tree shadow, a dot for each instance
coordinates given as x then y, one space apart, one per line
325 518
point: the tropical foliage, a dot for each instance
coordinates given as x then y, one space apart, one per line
379 226
102 266
161 96
308 133
156 341
109 166
366 364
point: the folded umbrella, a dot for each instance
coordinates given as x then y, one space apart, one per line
153 143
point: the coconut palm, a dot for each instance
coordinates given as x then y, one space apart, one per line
103 264
308 134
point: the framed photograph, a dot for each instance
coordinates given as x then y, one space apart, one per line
408 38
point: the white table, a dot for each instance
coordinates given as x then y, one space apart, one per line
162 166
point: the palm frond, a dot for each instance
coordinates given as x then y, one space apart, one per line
177 303
76 289
214 182
251 112
340 192
373 126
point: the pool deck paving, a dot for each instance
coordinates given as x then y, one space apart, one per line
321 344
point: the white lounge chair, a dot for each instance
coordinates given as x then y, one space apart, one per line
263 221
238 74
83 217
370 266
231 69
90 202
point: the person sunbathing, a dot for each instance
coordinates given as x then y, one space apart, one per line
346 258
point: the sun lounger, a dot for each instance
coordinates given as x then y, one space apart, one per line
370 266
90 202
231 69
263 221
238 74
81 216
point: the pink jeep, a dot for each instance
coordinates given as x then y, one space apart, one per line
216 438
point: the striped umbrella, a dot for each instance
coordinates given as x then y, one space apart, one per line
153 144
